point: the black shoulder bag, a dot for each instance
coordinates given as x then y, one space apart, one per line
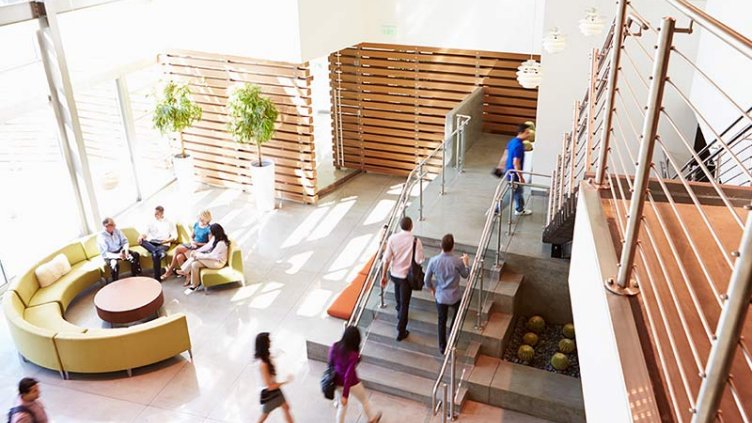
415 275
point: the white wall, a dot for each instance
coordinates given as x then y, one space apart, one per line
329 25
260 29
565 76
496 25
728 68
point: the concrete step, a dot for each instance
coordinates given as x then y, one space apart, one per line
407 374
501 293
522 388
384 333
493 336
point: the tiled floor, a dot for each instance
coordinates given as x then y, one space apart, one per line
296 259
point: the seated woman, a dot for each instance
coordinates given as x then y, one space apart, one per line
212 255
199 238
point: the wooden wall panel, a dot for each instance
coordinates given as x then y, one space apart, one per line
389 102
218 159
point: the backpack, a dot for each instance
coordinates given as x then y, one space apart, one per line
20 409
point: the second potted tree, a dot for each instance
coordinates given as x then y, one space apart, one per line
252 119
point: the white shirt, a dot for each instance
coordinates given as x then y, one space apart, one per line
161 230
219 253
399 249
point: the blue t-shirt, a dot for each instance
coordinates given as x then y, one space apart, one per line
515 150
200 234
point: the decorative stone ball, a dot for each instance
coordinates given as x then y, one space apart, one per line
560 361
566 346
536 324
525 352
568 330
530 339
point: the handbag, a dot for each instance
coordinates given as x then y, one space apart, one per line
415 274
327 382
268 395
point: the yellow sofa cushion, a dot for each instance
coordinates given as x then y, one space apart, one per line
33 342
89 243
232 272
25 285
74 251
67 287
49 316
103 350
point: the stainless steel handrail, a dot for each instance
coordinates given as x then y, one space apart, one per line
476 270
415 176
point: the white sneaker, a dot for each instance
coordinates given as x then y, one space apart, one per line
523 213
189 291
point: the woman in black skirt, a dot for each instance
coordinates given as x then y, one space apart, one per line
271 395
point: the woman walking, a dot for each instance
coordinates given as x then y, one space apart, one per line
344 356
271 394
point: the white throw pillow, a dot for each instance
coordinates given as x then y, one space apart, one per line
53 270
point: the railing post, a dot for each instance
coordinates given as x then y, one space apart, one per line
562 170
498 224
613 72
591 108
573 145
443 164
452 376
728 332
462 148
420 191
645 156
478 322
443 403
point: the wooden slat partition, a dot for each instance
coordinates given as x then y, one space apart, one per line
218 159
389 102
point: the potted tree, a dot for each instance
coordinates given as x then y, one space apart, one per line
175 111
252 119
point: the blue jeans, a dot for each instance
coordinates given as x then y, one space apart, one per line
519 200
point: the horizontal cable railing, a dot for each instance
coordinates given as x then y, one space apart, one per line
681 225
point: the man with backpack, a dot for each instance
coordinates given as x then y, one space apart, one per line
29 408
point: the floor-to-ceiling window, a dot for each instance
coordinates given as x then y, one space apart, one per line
37 207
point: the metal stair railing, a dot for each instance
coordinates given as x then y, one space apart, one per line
449 392
416 177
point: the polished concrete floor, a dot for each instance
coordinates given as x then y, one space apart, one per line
296 259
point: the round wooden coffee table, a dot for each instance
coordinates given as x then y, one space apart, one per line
129 300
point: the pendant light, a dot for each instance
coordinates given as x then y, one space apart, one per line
592 23
529 73
554 41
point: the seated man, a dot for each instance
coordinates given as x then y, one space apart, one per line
113 246
159 234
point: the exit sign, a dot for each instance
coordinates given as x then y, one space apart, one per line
389 30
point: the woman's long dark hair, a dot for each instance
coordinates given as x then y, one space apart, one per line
262 351
350 341
218 232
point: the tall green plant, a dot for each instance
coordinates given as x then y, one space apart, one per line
252 116
175 111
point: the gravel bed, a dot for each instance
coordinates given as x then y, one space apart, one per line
548 345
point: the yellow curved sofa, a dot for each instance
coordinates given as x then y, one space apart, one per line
37 325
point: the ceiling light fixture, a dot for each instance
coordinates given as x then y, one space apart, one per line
554 41
529 74
592 23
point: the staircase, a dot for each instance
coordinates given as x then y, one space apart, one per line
408 369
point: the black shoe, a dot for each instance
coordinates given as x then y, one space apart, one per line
402 336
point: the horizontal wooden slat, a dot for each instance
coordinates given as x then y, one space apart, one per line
393 99
218 158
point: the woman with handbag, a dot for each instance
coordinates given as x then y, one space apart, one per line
271 396
344 356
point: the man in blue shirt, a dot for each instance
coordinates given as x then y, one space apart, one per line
515 162
113 247
447 268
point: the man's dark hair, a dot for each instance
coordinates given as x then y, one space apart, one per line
159 209
447 243
25 385
106 220
522 127
406 223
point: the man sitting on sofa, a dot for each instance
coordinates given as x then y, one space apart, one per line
113 246
159 235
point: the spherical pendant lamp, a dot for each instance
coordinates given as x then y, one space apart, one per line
592 24
529 74
554 41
